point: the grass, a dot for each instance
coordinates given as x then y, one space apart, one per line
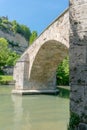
5 79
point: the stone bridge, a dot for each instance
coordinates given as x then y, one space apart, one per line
35 72
36 69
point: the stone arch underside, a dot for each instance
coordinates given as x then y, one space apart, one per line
43 72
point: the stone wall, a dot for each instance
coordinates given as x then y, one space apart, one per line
78 62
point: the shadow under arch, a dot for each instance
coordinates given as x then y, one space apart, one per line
43 72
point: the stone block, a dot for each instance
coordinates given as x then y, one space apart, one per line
82 126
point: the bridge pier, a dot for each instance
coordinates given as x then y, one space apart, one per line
26 86
78 64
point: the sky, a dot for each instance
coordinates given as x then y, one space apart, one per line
36 14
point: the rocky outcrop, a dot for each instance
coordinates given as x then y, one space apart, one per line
17 42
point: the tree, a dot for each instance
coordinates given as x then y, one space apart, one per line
12 58
14 26
25 31
63 72
4 52
33 37
7 57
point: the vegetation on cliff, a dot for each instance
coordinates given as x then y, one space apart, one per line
8 27
14 27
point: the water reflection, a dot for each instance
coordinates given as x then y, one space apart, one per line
33 112
39 113
19 115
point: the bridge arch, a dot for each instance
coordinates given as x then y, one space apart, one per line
43 72
44 55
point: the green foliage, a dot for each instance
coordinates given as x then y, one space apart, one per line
33 37
5 79
12 58
22 29
4 51
64 92
14 26
7 57
5 25
25 31
63 72
74 121
5 21
13 44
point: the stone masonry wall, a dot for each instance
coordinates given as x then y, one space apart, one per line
78 63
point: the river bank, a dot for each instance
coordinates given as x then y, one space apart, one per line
6 79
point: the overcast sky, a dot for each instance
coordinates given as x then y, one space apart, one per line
36 14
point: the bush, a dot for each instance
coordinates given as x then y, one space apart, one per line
7 57
63 72
5 79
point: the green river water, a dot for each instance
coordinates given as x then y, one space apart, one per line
32 112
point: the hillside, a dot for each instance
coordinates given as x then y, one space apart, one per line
14 39
17 35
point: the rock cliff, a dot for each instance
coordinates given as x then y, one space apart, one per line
17 42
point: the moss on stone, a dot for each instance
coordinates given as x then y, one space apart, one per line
74 121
